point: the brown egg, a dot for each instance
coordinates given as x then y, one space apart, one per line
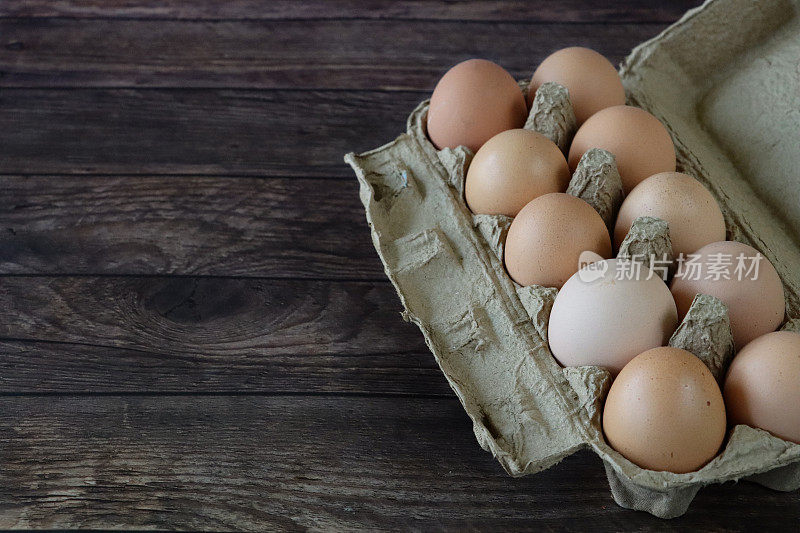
590 78
513 168
762 388
545 240
754 297
693 216
474 101
639 141
665 412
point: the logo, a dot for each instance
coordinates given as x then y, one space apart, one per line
693 267
592 267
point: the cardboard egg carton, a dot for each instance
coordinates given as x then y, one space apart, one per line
725 93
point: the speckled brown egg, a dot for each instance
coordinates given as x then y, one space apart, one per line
665 412
474 101
762 388
754 296
640 142
590 78
513 168
545 240
693 216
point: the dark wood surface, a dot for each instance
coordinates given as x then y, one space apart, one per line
195 331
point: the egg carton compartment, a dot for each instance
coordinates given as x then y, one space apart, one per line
489 335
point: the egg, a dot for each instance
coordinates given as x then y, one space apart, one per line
545 240
762 388
693 216
474 101
640 142
605 315
513 168
665 412
590 78
739 276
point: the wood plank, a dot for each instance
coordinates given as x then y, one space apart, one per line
67 368
232 326
541 11
288 463
250 227
318 54
221 132
181 334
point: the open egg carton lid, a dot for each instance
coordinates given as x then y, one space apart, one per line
723 80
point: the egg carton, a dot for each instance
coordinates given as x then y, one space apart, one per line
720 88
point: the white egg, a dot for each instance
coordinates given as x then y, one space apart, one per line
606 314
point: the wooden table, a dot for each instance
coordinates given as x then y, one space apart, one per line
195 330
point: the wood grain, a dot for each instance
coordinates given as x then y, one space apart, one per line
177 334
492 10
66 368
220 132
250 227
291 463
209 318
317 54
